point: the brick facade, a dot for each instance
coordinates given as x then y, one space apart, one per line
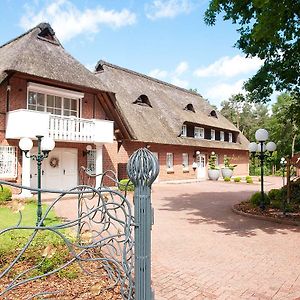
241 158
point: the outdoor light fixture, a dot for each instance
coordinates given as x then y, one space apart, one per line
259 150
88 149
45 145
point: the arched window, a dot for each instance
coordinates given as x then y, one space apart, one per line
213 113
143 100
190 107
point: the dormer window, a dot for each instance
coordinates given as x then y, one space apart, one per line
213 113
199 133
183 130
230 137
143 100
222 136
190 107
212 134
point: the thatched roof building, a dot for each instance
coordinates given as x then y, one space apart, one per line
155 110
39 53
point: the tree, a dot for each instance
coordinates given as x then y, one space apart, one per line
284 125
247 117
270 30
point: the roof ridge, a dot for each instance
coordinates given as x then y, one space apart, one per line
103 62
41 26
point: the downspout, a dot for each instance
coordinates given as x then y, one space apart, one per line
8 87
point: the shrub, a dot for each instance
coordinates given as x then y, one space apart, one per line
227 163
5 193
276 204
227 179
126 185
248 177
212 161
249 180
275 195
237 179
256 197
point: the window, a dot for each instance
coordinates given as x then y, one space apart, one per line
213 113
212 134
190 107
230 137
222 136
169 161
8 162
185 161
143 100
53 100
91 162
199 133
183 130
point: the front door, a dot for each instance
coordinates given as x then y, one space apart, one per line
59 170
201 171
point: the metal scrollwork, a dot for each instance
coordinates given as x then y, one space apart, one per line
100 238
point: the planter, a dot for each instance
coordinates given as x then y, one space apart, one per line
226 172
213 174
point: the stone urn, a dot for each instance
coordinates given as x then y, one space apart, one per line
226 172
213 174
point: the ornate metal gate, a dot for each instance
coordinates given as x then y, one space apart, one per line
99 240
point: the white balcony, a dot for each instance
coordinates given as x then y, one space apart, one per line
26 123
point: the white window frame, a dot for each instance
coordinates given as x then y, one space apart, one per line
170 161
57 92
91 162
184 131
198 133
222 136
8 162
185 161
230 137
212 134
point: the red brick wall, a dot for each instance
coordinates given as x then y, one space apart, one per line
127 148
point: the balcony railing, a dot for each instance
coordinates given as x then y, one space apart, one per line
71 129
27 123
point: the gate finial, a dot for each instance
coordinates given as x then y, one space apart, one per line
142 167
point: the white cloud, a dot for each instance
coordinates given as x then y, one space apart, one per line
167 8
180 82
223 91
230 67
157 73
181 68
68 21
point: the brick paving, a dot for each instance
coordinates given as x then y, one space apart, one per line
202 250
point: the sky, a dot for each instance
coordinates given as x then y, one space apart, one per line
165 39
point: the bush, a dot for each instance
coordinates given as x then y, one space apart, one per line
256 197
275 195
249 180
248 177
126 185
227 179
237 179
5 193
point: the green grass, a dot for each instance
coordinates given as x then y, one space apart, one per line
13 241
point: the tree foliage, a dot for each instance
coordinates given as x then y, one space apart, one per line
270 30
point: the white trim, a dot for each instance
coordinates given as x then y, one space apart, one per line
185 158
184 130
212 134
170 158
41 88
222 136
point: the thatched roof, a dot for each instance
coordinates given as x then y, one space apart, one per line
39 53
162 122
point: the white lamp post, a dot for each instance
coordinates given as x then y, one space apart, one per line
45 145
259 150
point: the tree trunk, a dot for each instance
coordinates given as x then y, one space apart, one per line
293 144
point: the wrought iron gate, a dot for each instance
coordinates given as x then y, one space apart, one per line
100 240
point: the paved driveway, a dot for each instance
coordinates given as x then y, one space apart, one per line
201 250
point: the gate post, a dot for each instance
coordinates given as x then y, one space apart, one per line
142 170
